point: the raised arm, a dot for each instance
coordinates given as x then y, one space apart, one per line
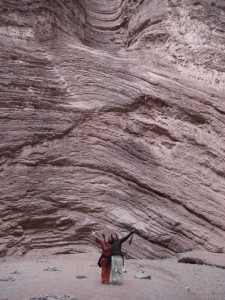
126 237
94 234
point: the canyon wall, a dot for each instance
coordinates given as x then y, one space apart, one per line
112 117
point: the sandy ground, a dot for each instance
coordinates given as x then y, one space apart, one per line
38 274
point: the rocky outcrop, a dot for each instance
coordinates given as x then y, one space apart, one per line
203 258
112 116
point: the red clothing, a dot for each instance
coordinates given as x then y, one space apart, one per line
106 267
106 273
106 247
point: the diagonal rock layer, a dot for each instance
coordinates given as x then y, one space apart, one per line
112 117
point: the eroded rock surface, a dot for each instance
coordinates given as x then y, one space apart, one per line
112 116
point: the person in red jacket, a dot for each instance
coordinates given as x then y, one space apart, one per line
105 259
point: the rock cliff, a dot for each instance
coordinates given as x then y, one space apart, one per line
112 117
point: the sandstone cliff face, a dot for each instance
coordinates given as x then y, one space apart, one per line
112 116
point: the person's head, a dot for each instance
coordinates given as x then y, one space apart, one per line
106 239
114 236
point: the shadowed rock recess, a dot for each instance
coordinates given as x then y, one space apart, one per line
112 115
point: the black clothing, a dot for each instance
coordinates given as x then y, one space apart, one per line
117 244
108 258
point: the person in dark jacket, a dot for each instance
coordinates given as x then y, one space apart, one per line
116 258
105 259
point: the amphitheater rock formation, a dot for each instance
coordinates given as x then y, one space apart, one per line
112 116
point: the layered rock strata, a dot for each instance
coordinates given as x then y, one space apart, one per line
112 116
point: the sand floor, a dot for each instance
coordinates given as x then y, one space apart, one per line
38 274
